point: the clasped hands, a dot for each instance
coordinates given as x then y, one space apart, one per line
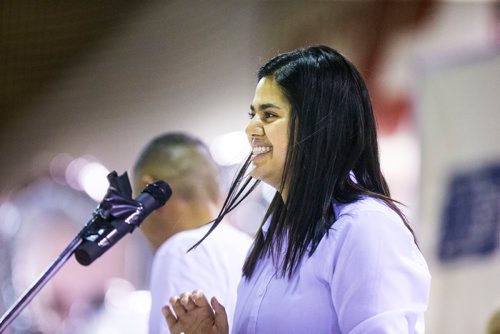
193 314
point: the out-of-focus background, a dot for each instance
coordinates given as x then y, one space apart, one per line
84 86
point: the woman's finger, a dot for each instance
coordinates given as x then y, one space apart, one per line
221 321
177 306
169 316
199 299
187 302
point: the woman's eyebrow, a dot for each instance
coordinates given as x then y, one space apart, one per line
264 106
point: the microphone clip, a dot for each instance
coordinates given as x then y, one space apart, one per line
116 215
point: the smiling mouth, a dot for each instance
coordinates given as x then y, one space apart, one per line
259 150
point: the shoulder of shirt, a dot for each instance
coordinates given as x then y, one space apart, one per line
367 215
363 205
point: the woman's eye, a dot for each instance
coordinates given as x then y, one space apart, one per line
251 114
269 115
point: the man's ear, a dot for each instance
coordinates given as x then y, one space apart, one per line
147 179
140 184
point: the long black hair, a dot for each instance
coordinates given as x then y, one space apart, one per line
332 154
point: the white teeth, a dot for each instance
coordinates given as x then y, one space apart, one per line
261 149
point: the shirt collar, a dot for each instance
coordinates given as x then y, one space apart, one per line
265 226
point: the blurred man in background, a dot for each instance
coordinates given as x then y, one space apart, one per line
494 323
215 266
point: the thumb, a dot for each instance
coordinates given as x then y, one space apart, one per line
220 316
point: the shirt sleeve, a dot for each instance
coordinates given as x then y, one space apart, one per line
174 271
380 281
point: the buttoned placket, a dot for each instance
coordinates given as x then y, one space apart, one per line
266 275
265 278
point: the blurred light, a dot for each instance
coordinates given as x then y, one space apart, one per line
139 301
230 148
125 310
73 171
10 220
58 167
92 179
117 293
84 174
107 329
399 156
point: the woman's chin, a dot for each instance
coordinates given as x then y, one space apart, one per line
254 172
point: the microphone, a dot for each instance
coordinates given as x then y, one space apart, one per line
117 215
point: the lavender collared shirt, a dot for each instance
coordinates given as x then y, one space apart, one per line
366 276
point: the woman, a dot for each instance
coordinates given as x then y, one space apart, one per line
334 254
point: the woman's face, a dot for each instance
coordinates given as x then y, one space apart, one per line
267 132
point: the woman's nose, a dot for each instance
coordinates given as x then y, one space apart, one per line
254 128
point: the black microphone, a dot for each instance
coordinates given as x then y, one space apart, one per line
116 216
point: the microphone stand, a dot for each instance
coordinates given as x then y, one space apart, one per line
31 292
119 188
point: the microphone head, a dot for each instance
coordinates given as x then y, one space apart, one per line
160 191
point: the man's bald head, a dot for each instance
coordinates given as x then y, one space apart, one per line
184 162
